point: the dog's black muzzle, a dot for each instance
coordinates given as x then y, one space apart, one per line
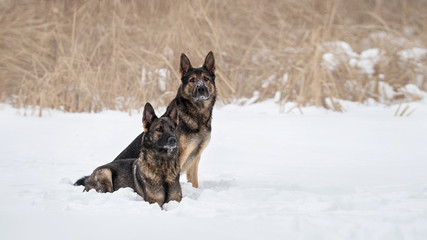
201 91
171 144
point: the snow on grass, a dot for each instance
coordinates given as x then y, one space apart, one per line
360 174
413 54
367 61
339 52
343 52
330 61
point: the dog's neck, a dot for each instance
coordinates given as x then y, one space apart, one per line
195 117
154 165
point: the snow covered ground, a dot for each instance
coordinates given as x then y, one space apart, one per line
361 174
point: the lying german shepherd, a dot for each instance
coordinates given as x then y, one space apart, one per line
195 100
155 173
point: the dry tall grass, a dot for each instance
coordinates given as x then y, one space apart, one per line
93 55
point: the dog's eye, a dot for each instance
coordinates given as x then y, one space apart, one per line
192 79
206 79
159 129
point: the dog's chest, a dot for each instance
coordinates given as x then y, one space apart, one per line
191 146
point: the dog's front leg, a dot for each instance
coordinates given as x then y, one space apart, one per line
174 191
192 173
155 194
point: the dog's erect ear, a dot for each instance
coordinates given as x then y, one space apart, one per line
210 62
184 65
172 112
148 116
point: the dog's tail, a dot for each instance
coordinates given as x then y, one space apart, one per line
81 181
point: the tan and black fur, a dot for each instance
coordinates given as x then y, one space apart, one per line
195 100
155 173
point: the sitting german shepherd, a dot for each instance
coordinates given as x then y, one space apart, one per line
195 100
155 173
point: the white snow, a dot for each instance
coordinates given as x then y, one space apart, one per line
361 174
341 47
267 82
392 38
285 78
367 61
277 96
415 54
330 61
143 76
385 91
414 90
162 74
343 52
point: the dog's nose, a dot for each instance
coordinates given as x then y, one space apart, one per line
201 90
172 141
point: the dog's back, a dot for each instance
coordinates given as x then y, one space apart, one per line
132 150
